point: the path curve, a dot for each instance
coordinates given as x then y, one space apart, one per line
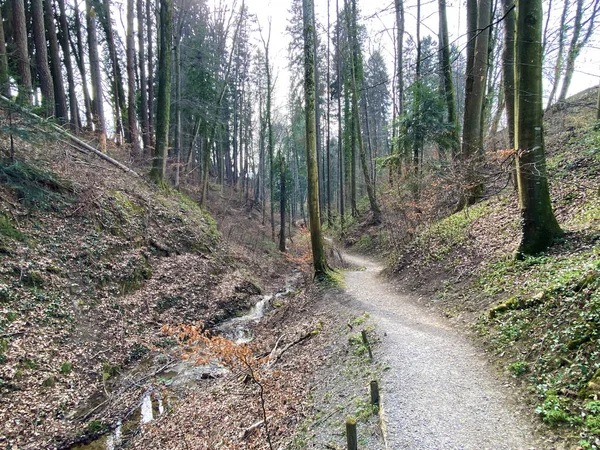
439 394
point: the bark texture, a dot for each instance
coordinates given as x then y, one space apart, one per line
41 57
538 224
21 52
320 264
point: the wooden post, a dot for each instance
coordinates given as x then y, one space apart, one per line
374 393
366 343
351 437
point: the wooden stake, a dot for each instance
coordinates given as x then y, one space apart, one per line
351 437
366 343
374 392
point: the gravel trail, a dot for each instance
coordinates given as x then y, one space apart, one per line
439 392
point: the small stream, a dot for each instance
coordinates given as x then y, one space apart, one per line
186 375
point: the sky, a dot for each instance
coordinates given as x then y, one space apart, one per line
379 18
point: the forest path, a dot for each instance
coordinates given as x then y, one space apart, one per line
439 392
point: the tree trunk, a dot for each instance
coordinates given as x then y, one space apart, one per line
281 203
598 105
75 121
577 43
143 81
477 49
95 76
4 81
328 143
55 65
447 75
177 140
339 117
80 60
508 67
117 78
356 117
416 99
320 264
163 110
270 137
150 44
539 225
400 54
562 36
21 52
41 57
131 89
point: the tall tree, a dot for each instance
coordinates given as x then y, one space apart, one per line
478 20
338 74
539 225
508 67
354 70
150 44
41 56
447 76
55 64
21 52
80 60
398 4
319 262
75 121
114 67
582 32
143 80
562 37
96 76
163 110
4 81
131 89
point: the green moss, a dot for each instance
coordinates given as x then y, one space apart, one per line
126 206
66 368
8 230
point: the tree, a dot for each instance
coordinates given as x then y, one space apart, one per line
508 67
75 120
55 64
41 56
562 36
447 76
4 81
478 19
581 36
130 49
354 69
80 60
538 223
21 52
143 80
338 73
319 262
95 75
163 110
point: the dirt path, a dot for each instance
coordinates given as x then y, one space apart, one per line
439 393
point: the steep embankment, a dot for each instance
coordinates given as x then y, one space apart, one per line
539 318
93 262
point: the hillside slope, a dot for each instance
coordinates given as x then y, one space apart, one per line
540 317
93 262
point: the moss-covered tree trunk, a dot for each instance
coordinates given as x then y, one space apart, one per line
316 238
338 70
354 70
282 195
539 226
447 75
163 109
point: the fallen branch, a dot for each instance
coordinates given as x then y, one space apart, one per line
65 133
302 338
